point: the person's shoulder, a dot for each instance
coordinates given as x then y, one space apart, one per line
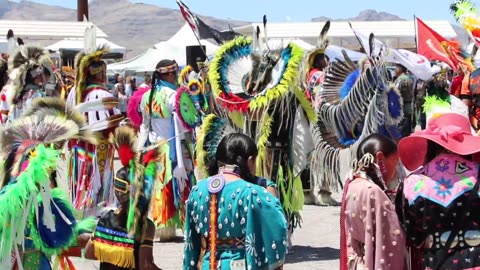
365 186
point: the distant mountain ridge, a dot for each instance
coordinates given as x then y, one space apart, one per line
138 26
366 15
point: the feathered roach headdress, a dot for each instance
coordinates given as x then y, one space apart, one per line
31 148
89 62
51 122
25 59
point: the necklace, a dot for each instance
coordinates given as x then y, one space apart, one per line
230 169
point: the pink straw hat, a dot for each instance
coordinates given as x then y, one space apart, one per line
452 131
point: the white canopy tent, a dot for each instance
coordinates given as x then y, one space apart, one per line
76 44
185 37
174 48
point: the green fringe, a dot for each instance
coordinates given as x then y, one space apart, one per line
16 195
433 103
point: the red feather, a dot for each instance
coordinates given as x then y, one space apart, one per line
125 154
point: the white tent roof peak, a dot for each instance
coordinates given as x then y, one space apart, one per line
186 37
77 44
47 29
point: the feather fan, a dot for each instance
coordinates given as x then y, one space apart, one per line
49 106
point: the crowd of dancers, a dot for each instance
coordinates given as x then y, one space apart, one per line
216 147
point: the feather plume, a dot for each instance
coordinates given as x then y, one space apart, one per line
146 165
124 139
363 111
49 106
212 131
11 42
102 104
90 39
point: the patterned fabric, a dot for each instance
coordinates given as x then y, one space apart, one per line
371 233
31 92
429 204
160 108
241 211
315 78
112 244
453 178
91 176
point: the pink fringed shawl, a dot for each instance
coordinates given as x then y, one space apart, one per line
133 111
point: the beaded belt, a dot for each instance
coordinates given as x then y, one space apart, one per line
225 244
469 238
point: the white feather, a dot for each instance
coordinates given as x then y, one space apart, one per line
90 39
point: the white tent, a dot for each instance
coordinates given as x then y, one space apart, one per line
174 48
145 61
335 52
76 44
185 37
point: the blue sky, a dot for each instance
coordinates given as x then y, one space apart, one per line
301 10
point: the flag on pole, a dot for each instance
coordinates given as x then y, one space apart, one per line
189 17
201 29
417 64
429 44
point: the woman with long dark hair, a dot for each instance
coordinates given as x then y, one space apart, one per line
226 213
161 122
371 236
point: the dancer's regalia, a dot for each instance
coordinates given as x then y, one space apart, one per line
372 105
37 219
116 242
90 170
24 65
164 119
311 78
198 88
258 88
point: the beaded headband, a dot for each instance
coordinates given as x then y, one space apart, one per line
168 69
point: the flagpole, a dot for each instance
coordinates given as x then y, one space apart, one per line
201 46
415 25
183 7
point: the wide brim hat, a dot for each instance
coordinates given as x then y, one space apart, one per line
451 131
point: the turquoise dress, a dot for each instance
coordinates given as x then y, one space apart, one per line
246 239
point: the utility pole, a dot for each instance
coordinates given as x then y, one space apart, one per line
82 10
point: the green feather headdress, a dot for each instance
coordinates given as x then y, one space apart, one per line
31 150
